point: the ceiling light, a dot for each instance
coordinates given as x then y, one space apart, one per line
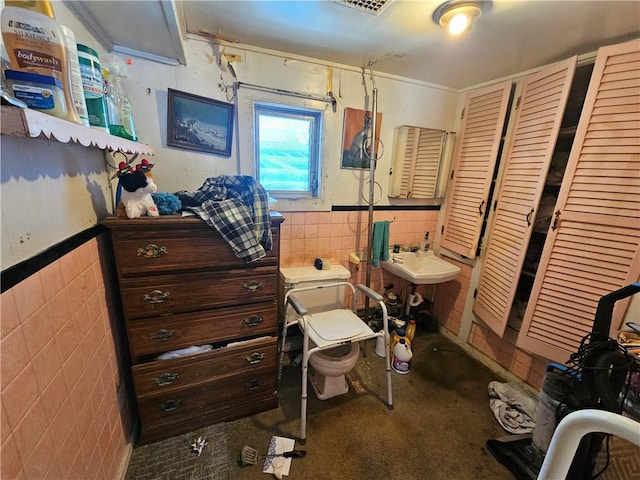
457 16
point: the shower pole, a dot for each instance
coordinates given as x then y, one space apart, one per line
372 169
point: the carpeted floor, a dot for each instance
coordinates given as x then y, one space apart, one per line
175 459
437 430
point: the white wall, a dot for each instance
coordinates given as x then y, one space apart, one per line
401 103
49 192
52 191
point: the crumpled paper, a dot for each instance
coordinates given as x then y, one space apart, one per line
278 466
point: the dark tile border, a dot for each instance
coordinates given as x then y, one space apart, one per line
20 271
356 208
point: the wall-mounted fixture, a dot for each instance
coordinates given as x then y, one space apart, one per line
458 15
418 155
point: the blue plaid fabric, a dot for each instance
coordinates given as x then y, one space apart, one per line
237 206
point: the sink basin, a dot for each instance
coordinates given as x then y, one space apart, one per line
420 267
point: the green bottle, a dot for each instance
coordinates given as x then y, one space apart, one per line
119 108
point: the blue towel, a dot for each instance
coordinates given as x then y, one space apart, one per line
380 243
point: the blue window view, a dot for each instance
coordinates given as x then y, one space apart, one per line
287 140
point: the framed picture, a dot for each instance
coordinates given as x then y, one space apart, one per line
356 138
199 123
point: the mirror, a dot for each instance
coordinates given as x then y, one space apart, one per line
418 155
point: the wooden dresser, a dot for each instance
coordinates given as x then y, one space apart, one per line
181 285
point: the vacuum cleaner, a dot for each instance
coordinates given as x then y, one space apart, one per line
594 377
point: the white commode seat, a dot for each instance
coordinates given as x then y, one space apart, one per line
330 329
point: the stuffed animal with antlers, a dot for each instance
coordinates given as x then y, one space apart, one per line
137 186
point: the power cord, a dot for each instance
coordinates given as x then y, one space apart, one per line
587 365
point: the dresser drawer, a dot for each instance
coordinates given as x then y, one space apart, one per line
161 334
189 292
164 376
221 412
140 252
181 405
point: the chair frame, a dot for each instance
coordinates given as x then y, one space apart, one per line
304 320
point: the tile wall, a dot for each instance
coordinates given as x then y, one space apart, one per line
503 351
306 236
59 376
333 235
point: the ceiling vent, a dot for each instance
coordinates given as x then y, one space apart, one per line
374 7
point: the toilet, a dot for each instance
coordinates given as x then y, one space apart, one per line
328 367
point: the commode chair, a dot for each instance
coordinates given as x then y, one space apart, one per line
337 330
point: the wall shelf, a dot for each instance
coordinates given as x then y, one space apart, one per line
21 122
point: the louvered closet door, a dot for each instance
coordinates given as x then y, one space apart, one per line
593 246
537 123
421 163
475 158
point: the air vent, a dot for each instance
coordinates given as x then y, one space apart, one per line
370 6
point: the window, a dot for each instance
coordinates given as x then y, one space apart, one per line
288 150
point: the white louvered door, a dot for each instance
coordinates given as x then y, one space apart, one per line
593 245
475 159
538 119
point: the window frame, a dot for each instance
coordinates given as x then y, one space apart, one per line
315 117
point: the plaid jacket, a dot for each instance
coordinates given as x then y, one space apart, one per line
237 206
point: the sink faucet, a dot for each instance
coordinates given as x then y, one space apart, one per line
425 243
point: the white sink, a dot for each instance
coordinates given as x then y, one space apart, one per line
420 267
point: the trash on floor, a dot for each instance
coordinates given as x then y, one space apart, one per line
198 445
251 456
278 466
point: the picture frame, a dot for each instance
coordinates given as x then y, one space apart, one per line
356 137
199 123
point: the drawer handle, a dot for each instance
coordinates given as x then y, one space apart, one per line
253 321
253 384
253 286
162 335
255 357
156 296
170 405
152 251
166 379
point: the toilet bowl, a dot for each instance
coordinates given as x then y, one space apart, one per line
329 368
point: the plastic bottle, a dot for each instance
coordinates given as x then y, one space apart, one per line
75 77
35 43
402 356
118 104
93 86
411 331
396 336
